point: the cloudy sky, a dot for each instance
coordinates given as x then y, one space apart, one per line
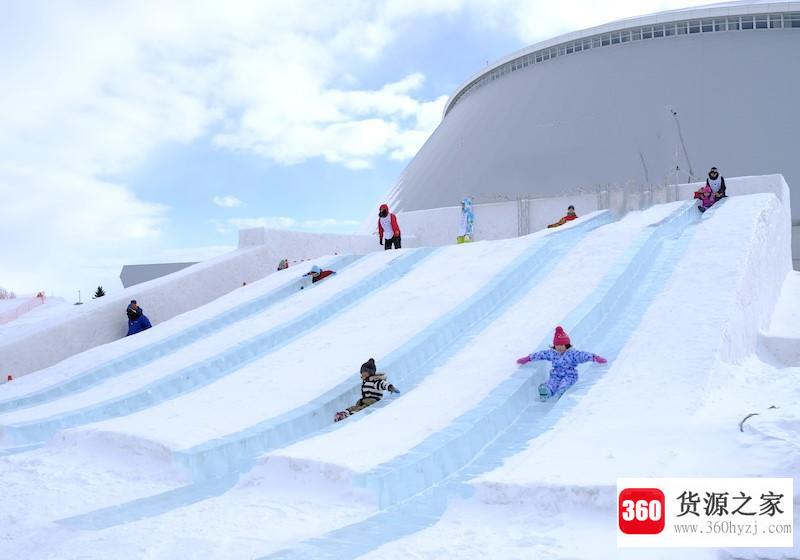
134 132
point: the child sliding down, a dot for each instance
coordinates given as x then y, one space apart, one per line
563 375
372 387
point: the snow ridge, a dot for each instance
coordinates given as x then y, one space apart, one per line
216 463
407 364
166 346
209 370
414 488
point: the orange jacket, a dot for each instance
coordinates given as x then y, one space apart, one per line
564 220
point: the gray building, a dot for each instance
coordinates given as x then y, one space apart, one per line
648 100
133 274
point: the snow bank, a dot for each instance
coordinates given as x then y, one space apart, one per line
206 371
13 309
290 243
166 345
781 339
103 320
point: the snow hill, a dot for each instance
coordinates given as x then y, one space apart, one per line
211 435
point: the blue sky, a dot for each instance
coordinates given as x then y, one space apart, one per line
151 132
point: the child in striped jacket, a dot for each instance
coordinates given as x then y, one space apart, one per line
372 387
565 359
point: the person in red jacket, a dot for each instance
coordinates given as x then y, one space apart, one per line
314 275
388 230
571 215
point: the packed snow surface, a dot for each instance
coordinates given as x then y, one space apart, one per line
686 369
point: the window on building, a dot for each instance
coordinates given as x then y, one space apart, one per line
587 44
791 20
761 22
636 34
719 25
625 36
682 28
708 26
570 48
605 40
775 21
747 22
694 27
669 29
658 31
647 32
733 24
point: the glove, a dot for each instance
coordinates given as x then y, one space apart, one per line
524 360
599 359
393 389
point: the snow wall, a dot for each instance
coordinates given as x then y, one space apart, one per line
103 320
501 220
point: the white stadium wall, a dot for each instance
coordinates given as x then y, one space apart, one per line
622 114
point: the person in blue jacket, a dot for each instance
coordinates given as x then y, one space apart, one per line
465 227
137 320
565 359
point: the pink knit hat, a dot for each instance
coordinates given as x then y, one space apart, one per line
560 338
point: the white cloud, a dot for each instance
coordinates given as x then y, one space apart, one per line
536 20
227 201
98 89
95 89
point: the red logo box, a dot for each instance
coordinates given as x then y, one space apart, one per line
641 511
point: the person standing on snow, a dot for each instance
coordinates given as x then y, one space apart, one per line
372 387
716 183
388 230
137 320
564 358
467 218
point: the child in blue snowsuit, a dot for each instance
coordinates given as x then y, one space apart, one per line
467 219
565 359
137 320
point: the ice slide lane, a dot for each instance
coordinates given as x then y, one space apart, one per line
471 371
408 364
169 345
281 313
413 489
209 370
217 464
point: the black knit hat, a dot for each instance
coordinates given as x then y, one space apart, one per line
369 366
